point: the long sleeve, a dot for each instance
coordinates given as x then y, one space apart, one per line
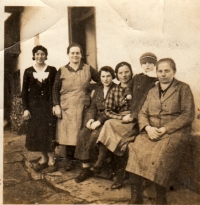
25 91
187 111
143 118
94 74
56 89
92 111
110 106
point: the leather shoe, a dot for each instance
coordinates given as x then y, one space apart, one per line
116 185
50 169
69 166
85 174
38 167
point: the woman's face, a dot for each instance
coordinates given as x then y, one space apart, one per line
124 74
40 57
165 73
75 55
106 78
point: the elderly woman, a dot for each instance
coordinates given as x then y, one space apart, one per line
165 123
70 97
37 103
86 149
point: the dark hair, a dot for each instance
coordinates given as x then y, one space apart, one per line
107 69
37 48
74 45
170 61
122 64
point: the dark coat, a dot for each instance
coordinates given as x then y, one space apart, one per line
159 160
37 98
138 88
86 147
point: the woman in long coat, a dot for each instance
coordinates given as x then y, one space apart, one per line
37 104
86 148
70 97
165 123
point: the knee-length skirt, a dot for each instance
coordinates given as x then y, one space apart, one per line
86 148
112 133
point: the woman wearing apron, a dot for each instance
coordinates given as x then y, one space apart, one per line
70 97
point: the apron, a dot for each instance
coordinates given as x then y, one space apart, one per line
73 98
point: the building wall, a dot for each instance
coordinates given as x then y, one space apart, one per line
124 30
52 27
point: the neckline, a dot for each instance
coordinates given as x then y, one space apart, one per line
40 71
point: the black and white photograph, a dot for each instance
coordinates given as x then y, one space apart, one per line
100 102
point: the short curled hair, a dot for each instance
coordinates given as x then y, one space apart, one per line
170 61
75 45
37 48
122 64
107 69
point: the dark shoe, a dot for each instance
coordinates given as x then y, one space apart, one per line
85 174
96 170
116 185
50 169
69 166
38 167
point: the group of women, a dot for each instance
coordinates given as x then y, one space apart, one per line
144 121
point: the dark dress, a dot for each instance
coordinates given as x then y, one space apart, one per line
86 148
37 98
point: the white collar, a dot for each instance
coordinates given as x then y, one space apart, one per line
40 71
150 73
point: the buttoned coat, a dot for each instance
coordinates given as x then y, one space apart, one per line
37 98
159 160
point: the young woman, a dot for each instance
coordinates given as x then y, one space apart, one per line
37 103
86 148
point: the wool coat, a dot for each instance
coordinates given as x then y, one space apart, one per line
159 160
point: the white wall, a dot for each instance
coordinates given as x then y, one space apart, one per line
52 27
124 30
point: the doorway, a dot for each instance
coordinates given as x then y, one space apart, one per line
82 30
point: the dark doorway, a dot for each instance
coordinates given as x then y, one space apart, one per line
82 30
11 53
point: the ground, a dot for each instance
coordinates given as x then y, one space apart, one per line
22 185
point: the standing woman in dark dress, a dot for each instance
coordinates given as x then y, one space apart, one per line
37 103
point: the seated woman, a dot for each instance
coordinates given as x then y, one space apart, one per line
117 110
86 148
165 123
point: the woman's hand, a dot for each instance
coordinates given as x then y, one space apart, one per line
95 124
26 115
153 132
57 111
127 118
89 123
162 131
